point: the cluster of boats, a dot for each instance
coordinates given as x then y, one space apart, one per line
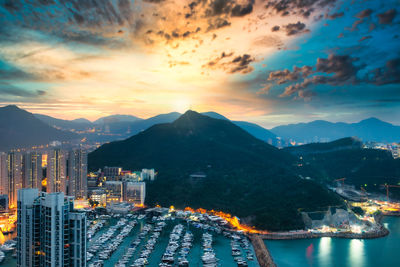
148 248
209 259
237 244
180 242
168 258
104 247
185 249
94 228
8 247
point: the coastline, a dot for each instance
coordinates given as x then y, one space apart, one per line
264 256
303 234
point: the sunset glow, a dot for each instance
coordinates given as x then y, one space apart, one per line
259 61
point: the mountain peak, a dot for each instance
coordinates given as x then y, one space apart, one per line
190 115
11 107
372 120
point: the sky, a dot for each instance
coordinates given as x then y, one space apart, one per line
270 62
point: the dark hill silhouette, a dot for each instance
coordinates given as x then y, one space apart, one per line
369 168
21 129
245 176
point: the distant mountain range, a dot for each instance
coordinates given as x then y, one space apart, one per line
117 118
245 176
119 127
19 129
123 126
371 129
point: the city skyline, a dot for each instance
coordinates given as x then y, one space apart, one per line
285 63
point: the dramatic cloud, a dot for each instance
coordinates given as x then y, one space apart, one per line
234 56
286 75
241 64
388 74
336 70
295 28
364 14
275 28
341 66
239 11
387 17
232 64
304 8
7 89
335 15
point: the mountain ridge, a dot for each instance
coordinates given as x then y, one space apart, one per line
20 129
370 129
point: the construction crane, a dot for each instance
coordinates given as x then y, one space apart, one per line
387 189
341 179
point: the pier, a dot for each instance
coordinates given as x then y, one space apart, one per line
263 256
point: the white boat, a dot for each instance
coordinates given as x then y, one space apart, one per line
8 246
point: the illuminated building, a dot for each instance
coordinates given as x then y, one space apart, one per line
14 176
44 160
3 174
32 170
49 231
112 173
114 191
56 171
77 174
100 196
134 192
148 174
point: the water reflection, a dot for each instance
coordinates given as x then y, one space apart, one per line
309 254
325 251
356 253
380 252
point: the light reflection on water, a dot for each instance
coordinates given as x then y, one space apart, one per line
325 251
340 252
356 253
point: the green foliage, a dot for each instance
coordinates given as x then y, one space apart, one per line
359 166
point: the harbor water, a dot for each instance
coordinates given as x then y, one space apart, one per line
319 252
332 252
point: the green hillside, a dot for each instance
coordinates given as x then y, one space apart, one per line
245 176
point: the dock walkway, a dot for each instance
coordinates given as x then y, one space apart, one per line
263 256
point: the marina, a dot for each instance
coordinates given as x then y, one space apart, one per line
134 240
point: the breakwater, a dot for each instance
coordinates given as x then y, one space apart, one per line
263 256
381 232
